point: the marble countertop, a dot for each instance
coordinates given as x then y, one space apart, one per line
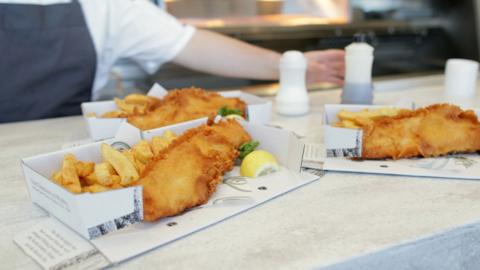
337 219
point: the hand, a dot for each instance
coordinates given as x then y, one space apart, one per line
325 66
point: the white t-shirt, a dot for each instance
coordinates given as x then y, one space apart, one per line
134 29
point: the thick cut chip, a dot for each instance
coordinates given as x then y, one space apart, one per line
115 186
103 173
158 144
169 136
364 117
139 165
115 180
70 179
115 114
121 164
95 188
130 109
368 113
132 105
139 99
143 152
84 168
161 142
131 157
89 179
346 124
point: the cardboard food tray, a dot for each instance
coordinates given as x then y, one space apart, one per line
342 143
123 207
258 111
81 212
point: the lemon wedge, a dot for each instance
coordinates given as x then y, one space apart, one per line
258 163
234 116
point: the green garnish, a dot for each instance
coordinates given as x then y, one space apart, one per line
247 148
224 111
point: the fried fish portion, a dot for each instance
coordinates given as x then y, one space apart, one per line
186 173
432 131
183 105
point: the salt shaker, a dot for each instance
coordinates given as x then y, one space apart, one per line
461 78
292 99
358 88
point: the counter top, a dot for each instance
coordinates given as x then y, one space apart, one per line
333 222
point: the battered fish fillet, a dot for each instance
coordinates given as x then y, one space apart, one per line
427 132
183 105
187 172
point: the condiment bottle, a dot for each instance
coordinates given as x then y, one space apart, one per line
292 98
358 88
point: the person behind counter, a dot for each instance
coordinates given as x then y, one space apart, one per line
56 54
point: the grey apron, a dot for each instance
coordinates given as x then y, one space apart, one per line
47 61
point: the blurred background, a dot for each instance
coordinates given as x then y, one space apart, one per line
411 37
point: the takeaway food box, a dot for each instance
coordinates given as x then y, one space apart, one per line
258 111
343 144
96 214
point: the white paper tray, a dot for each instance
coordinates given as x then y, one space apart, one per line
258 111
343 141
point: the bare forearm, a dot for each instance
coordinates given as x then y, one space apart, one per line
217 54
